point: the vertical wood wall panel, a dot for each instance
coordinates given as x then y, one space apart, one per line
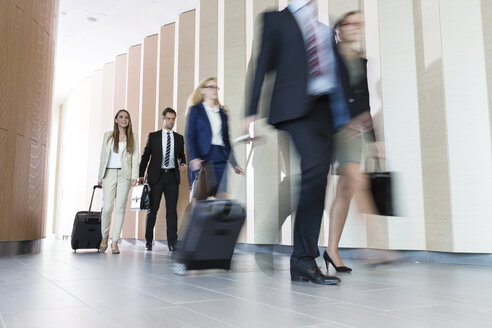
468 122
120 68
185 86
402 127
234 84
208 38
148 106
25 92
165 99
133 106
433 130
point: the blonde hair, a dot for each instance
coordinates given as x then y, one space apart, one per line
130 145
196 98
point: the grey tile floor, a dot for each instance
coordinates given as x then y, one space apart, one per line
138 289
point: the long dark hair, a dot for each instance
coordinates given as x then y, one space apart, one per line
130 145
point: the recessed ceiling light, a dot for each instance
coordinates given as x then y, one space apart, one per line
92 19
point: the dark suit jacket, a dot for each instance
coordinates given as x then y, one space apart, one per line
153 150
199 134
357 95
283 50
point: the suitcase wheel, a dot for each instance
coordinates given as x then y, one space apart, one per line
75 251
179 268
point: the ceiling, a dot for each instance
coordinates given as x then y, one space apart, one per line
92 32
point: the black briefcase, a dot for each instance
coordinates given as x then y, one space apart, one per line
210 235
382 192
86 231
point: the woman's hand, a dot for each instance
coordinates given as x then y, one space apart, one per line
134 182
196 164
238 170
182 168
99 183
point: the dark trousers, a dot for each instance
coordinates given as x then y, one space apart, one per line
168 184
312 136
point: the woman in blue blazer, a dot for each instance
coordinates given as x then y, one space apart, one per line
207 137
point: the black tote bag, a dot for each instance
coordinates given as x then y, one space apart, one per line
381 186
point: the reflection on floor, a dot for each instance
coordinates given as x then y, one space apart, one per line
137 288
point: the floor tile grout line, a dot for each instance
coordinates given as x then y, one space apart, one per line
265 304
4 325
69 293
208 316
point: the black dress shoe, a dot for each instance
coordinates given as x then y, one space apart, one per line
148 247
341 268
310 272
171 247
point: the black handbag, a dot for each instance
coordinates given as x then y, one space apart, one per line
381 187
145 199
140 199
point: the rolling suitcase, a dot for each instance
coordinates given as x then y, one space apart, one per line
86 232
210 236
211 231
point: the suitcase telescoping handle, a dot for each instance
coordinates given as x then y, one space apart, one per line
92 198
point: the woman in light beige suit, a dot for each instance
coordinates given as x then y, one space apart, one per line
118 170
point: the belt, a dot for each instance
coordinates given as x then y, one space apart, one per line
167 170
114 168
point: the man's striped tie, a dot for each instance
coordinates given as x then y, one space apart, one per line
312 52
168 150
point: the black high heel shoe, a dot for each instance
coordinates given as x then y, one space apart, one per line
338 268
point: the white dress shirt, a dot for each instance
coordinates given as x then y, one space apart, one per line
213 114
114 161
164 149
305 17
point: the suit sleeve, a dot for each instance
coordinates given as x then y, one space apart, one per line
181 154
135 158
190 135
102 159
231 158
145 158
264 63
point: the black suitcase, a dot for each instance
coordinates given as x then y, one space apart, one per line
86 232
210 236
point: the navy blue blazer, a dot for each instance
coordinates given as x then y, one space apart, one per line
199 134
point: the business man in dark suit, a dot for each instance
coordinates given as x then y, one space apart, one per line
307 102
165 148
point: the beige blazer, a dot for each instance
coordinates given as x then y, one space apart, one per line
129 162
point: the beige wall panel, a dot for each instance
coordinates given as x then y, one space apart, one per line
185 86
165 99
337 8
34 194
468 124
19 211
133 106
487 35
43 14
23 49
166 69
38 111
234 84
7 39
7 142
401 123
208 38
120 64
186 65
25 64
433 130
148 106
107 96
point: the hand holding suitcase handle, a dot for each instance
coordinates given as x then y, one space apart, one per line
98 186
